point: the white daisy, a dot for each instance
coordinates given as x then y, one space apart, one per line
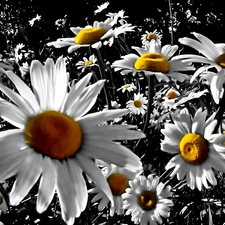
197 148
100 32
138 105
147 200
148 36
56 141
154 60
87 63
127 87
213 56
117 179
170 97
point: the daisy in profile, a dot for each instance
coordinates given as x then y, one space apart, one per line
147 200
212 55
96 35
138 105
101 7
197 148
117 179
127 87
170 97
87 63
56 140
148 36
154 60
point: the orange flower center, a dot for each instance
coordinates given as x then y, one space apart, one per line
147 200
88 63
151 36
193 148
118 183
89 35
53 134
137 103
152 62
221 60
172 95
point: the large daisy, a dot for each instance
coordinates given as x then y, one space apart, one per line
154 60
100 32
56 140
212 56
118 180
197 148
147 200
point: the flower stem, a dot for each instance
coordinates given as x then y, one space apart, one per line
219 115
103 76
171 21
150 101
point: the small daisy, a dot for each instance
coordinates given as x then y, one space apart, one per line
87 63
197 149
117 17
138 105
213 57
92 35
32 21
127 87
154 60
147 200
117 179
54 138
170 97
148 36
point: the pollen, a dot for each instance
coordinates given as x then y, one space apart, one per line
117 183
193 148
137 103
53 134
147 200
152 62
221 60
89 35
151 36
88 63
172 95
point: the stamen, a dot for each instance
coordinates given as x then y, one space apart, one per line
147 200
221 60
137 103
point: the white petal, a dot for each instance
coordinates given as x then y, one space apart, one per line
47 185
95 174
26 178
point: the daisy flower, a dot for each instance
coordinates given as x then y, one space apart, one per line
87 63
148 36
56 140
154 60
92 35
197 149
117 179
213 56
138 105
127 87
170 97
147 200
117 17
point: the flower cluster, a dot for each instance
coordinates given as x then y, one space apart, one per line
124 137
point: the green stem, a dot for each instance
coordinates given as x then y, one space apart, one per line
150 101
103 76
219 115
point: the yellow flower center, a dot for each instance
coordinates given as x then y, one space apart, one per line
193 148
172 95
151 36
53 134
221 60
137 103
126 86
152 62
147 200
89 35
88 63
117 183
